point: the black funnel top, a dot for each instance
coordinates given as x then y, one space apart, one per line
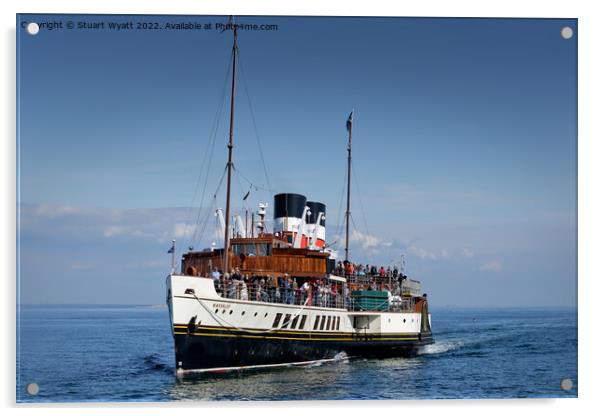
289 205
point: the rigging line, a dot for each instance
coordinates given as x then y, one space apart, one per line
339 224
211 208
353 223
210 157
251 183
244 81
212 134
359 195
237 174
201 235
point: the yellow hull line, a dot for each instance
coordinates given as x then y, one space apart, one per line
313 333
300 339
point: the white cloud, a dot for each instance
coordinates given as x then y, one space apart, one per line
425 254
113 230
366 241
183 230
85 223
52 211
128 231
422 253
491 266
364 246
467 253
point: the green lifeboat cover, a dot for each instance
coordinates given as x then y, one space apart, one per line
370 300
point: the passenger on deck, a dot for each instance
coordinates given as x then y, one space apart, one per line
236 274
244 292
346 296
360 270
215 275
295 289
322 294
290 293
334 295
231 286
305 292
263 295
277 298
271 286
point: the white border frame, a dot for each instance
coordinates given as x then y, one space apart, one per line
590 207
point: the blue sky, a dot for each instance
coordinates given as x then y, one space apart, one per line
464 148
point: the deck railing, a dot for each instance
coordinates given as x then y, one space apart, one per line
236 289
321 296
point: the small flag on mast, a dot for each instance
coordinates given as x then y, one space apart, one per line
170 251
173 247
350 121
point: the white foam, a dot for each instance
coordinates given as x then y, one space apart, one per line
341 356
440 347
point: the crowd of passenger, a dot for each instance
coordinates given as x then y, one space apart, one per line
349 269
281 289
311 292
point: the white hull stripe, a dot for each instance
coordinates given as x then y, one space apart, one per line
181 371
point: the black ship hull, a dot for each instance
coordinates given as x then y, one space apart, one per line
209 349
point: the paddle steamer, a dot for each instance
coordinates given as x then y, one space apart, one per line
282 297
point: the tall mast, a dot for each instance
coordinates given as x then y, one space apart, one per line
348 212
227 220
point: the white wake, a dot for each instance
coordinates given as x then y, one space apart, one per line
440 347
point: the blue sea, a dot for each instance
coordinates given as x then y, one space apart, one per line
125 354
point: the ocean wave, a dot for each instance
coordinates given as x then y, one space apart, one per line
441 347
152 362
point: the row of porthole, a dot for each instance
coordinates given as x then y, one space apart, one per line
242 313
404 320
315 324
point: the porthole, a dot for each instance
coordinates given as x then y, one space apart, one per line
389 320
243 312
255 314
224 311
217 310
266 315
404 320
231 312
